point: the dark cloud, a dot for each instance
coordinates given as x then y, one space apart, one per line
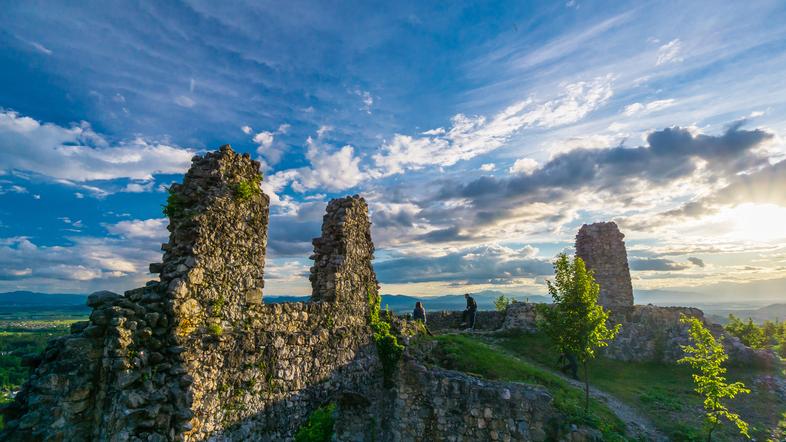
696 261
670 154
291 235
450 234
486 265
656 264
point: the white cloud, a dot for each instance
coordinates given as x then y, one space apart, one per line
246 130
87 259
284 128
469 137
652 106
140 228
41 48
366 98
79 154
670 52
524 166
264 139
12 189
185 101
331 169
138 187
79 195
488 167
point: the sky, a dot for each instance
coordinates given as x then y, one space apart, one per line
482 136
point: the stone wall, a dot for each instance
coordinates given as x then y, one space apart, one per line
432 404
655 334
601 247
447 320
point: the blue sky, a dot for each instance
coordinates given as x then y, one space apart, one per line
482 135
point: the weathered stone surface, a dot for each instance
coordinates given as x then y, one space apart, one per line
601 247
196 355
445 320
433 404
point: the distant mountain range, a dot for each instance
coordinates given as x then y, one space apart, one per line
718 311
772 312
22 300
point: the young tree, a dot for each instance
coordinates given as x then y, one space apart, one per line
749 333
502 303
575 321
706 356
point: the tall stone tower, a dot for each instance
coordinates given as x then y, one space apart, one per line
601 247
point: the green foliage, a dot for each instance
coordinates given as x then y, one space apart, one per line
14 345
245 189
502 303
175 206
749 333
706 356
319 427
575 322
215 329
388 348
657 390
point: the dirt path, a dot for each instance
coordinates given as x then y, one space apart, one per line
637 425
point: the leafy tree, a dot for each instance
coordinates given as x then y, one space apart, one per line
502 303
706 356
749 333
575 322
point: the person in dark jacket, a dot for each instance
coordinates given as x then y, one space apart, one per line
420 313
468 317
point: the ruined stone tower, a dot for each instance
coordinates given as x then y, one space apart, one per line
601 247
197 355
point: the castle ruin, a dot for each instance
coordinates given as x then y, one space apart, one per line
198 356
601 247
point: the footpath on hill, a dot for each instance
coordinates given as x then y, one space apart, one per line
637 425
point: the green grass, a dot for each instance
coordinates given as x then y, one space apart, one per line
468 354
662 392
17 339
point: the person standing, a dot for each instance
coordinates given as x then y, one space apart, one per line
469 313
420 313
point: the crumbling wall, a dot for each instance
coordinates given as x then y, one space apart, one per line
196 355
655 334
434 404
446 320
601 247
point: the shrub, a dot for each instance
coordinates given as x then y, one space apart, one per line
175 206
388 348
502 303
245 189
319 426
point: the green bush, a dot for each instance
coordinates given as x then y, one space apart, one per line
245 189
319 426
175 206
388 348
502 303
